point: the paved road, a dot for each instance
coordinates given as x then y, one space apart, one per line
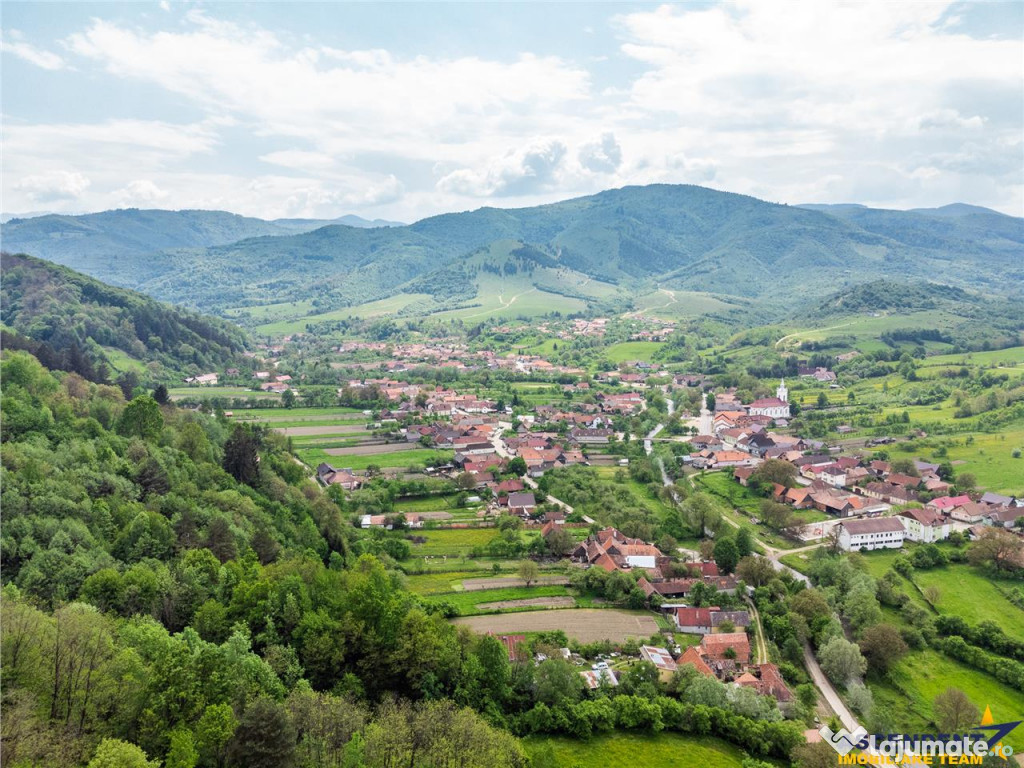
824 685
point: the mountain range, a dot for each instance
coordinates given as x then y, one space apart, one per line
635 239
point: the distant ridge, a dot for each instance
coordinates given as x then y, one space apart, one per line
676 237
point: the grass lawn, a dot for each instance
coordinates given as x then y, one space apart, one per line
989 458
963 591
440 583
122 361
200 393
301 417
970 594
440 502
615 750
314 456
467 601
628 351
920 676
453 542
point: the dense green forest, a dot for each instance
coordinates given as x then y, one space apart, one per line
180 586
67 319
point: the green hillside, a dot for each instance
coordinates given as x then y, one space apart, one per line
74 322
640 239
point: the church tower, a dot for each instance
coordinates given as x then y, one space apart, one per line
782 393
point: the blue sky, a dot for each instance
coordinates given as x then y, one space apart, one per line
406 110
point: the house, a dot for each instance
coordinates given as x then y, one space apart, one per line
693 656
694 621
593 678
742 474
1005 517
890 493
907 481
521 503
734 646
767 680
704 621
329 476
969 512
997 500
925 525
660 658
721 459
590 436
876 533
513 644
945 503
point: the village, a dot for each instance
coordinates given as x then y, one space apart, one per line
492 453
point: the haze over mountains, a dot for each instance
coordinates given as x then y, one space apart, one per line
674 237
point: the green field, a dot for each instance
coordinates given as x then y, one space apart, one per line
121 361
671 304
990 459
266 313
301 417
920 676
396 459
621 749
454 542
963 591
439 502
997 358
865 330
440 583
387 306
512 296
200 393
972 595
467 601
629 351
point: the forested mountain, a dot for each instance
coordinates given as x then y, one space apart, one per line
681 237
166 583
104 244
72 322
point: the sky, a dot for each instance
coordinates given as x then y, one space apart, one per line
401 111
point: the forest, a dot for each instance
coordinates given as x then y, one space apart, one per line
72 322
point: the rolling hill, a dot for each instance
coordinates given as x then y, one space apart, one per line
74 322
637 239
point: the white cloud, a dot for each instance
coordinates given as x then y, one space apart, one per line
53 186
603 156
794 101
13 44
141 192
527 170
300 160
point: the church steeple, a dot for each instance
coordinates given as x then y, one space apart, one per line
782 393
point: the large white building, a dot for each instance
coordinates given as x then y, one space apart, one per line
774 407
925 525
873 533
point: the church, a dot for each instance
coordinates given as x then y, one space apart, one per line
774 407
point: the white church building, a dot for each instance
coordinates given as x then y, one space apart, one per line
774 407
